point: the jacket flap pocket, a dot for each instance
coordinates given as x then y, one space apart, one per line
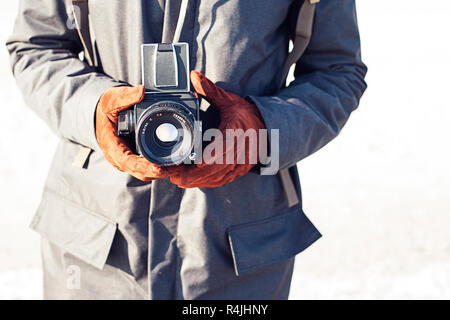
84 234
261 243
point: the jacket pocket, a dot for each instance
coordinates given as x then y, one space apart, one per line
261 243
83 233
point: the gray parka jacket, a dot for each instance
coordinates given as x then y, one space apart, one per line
124 238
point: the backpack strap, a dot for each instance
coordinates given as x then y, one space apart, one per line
80 10
303 32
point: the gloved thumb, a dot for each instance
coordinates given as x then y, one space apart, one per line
117 99
212 93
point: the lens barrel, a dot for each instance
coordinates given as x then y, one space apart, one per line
159 149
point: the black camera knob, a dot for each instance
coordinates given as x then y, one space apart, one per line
125 125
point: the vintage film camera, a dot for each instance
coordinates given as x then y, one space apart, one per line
166 125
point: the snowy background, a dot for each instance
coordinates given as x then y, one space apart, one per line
380 193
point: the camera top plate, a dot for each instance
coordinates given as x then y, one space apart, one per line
165 67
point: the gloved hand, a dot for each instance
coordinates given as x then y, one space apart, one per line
235 113
115 149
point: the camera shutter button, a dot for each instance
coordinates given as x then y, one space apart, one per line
167 132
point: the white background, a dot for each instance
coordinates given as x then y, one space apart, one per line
380 192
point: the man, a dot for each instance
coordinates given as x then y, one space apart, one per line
205 231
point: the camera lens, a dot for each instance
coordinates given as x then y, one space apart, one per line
165 133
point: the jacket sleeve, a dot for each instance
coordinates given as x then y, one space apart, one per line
329 81
55 83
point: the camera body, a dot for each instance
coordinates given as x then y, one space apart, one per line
165 126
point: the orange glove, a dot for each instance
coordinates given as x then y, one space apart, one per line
115 149
235 113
